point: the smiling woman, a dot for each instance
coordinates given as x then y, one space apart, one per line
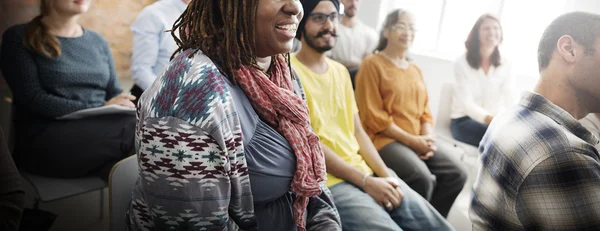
223 135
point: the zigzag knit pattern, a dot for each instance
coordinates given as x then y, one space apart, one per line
193 173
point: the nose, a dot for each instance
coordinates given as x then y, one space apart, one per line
329 23
293 7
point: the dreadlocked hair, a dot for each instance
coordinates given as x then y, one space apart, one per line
222 30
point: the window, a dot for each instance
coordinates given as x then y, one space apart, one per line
443 25
427 19
523 31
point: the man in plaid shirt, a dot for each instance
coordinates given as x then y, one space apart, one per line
540 168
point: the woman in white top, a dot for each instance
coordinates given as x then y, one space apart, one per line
484 82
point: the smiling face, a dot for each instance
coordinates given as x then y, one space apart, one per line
321 26
490 34
401 34
276 25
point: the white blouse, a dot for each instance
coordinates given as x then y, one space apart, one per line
477 95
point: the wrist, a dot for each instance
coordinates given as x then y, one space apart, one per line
364 181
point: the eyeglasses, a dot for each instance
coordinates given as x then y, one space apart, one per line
321 18
402 27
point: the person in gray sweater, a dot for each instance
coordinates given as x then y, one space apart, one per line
54 67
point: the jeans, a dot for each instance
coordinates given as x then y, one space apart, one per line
467 130
360 212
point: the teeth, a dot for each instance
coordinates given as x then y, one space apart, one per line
289 27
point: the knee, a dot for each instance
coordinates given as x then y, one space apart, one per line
423 183
457 177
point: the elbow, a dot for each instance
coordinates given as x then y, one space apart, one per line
378 125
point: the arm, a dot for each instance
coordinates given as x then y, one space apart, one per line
463 94
369 99
210 161
368 150
426 129
339 168
12 195
371 106
427 116
113 88
561 193
146 36
20 72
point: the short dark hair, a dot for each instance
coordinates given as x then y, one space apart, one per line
473 44
583 27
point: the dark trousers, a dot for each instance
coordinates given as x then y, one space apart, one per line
77 148
439 179
352 71
467 130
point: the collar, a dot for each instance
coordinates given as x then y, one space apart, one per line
539 103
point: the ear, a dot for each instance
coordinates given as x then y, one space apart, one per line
386 33
566 48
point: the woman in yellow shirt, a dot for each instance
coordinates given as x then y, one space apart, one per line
393 104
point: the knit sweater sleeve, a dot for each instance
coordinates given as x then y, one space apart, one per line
113 87
193 169
20 71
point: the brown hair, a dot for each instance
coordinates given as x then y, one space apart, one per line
38 37
223 30
473 44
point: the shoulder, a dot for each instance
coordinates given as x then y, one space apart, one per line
95 37
519 139
16 32
371 60
461 61
191 89
506 63
338 67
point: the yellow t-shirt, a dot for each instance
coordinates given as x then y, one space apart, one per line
332 108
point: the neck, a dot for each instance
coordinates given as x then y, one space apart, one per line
186 1
349 21
65 26
486 52
315 61
557 89
264 63
394 53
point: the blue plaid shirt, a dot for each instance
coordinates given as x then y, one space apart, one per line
540 171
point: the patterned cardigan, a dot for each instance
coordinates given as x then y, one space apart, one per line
193 172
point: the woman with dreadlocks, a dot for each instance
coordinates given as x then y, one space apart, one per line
223 137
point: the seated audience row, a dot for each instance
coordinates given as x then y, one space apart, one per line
358 178
54 67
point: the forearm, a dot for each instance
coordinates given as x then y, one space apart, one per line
339 168
397 133
426 129
371 155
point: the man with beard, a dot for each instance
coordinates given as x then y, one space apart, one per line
356 39
368 195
